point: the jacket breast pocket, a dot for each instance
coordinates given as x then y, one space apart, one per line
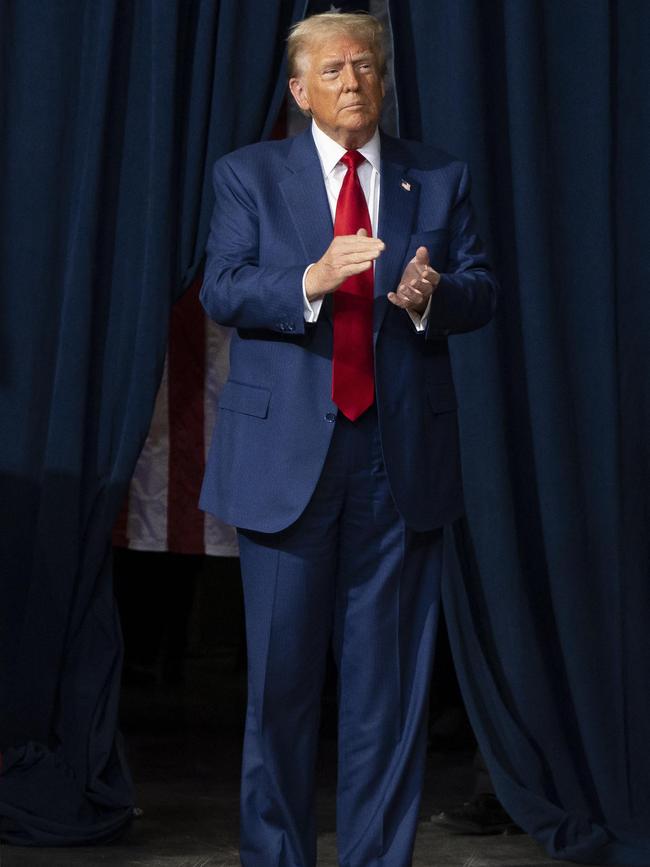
437 243
246 399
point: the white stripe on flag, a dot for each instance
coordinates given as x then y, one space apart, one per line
147 515
220 539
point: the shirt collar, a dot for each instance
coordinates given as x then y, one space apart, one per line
330 152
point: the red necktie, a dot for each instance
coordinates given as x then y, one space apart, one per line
353 384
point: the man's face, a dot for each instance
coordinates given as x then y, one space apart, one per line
340 84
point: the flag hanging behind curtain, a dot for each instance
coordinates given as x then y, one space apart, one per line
161 511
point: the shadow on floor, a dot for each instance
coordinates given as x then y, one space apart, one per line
184 745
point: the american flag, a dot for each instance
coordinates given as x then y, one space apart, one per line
161 512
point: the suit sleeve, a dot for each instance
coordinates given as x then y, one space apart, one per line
237 290
465 298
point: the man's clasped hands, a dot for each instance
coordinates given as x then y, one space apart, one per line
351 254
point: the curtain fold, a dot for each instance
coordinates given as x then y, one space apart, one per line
547 602
112 115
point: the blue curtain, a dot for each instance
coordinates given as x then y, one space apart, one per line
112 114
548 608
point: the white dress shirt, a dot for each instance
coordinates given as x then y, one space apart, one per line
329 154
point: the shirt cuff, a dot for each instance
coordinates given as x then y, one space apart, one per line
311 308
420 322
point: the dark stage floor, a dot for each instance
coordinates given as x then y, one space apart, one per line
184 747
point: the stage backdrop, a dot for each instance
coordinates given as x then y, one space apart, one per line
548 102
112 115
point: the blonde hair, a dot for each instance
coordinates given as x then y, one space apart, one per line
357 25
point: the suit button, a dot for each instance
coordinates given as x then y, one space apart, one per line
330 417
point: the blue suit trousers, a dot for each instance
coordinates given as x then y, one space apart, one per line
348 572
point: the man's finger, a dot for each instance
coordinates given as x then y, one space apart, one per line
421 286
431 275
395 299
358 239
355 256
355 268
422 256
410 293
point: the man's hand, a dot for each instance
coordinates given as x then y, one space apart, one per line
345 256
419 282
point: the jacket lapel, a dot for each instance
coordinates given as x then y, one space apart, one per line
304 194
397 209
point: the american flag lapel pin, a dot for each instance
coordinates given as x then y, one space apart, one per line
406 186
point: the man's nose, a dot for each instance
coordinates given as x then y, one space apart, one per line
350 80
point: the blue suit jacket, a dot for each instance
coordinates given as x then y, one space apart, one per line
275 417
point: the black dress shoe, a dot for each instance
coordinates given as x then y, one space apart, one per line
482 815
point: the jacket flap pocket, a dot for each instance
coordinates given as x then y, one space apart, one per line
442 396
247 399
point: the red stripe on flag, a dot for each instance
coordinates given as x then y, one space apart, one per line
120 529
186 371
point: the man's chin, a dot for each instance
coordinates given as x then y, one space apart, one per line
356 121
356 113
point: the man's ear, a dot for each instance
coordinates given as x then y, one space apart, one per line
299 93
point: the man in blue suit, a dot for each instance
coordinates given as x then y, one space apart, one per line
343 259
